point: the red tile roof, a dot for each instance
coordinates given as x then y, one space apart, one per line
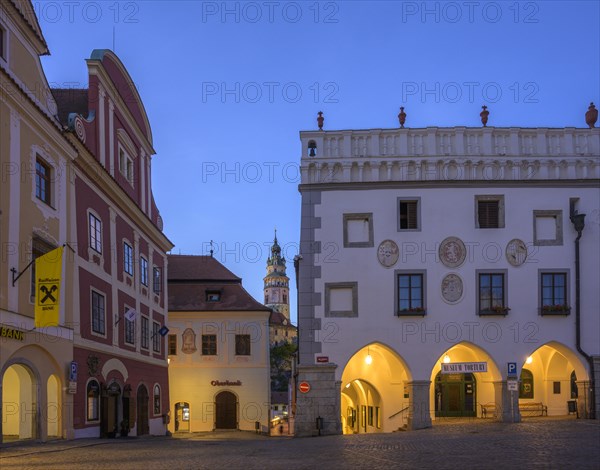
191 278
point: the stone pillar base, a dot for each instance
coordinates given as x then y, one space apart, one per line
507 403
419 415
321 401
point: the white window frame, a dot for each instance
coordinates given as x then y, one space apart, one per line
128 324
417 201
103 296
87 403
501 209
154 395
155 270
144 271
128 260
125 164
156 337
145 332
95 232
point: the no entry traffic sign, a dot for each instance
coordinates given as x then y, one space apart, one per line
304 387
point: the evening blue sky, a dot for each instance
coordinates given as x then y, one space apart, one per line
229 85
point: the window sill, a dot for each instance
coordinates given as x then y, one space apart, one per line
412 313
555 312
492 312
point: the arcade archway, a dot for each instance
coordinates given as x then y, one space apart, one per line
19 403
553 375
462 393
374 394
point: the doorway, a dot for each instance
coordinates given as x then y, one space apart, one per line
455 395
143 425
226 407
182 417
110 410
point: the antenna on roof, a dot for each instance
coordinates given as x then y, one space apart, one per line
211 248
113 48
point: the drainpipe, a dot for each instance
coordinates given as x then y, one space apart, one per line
578 221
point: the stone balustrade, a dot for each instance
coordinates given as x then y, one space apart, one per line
459 153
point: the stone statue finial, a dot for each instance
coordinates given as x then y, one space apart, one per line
484 115
402 117
591 116
320 120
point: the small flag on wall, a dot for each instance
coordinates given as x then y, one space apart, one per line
163 331
130 314
48 273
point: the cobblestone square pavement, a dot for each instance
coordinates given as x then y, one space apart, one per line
480 444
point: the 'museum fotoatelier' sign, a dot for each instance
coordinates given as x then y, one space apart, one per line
464 367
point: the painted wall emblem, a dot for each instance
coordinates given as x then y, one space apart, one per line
452 252
189 341
452 288
388 253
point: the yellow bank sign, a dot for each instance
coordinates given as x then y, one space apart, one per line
12 333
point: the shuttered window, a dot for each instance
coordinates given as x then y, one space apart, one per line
408 215
488 214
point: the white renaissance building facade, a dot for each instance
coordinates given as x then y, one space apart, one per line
462 247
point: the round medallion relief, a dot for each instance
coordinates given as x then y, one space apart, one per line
388 253
452 252
516 252
452 288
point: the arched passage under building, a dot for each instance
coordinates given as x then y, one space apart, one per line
374 393
462 394
553 375
19 403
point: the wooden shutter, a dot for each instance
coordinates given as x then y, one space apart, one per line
487 213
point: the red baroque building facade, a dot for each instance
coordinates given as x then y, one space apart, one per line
120 261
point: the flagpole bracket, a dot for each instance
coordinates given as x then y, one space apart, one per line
14 271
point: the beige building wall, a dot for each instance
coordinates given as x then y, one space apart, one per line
197 379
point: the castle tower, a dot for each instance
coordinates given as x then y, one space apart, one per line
276 282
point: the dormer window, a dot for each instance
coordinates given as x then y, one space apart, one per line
126 165
213 296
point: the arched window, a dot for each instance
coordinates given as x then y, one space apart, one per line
93 400
526 388
312 148
574 390
156 399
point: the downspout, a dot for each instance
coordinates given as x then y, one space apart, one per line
578 221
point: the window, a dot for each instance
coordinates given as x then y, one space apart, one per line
547 228
43 180
556 388
554 293
242 345
129 329
172 345
492 293
285 298
144 271
526 386
128 258
157 280
156 400
209 345
126 165
98 313
410 292
213 296
156 337
95 233
358 230
408 214
93 401
489 211
266 299
341 299
2 43
145 332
